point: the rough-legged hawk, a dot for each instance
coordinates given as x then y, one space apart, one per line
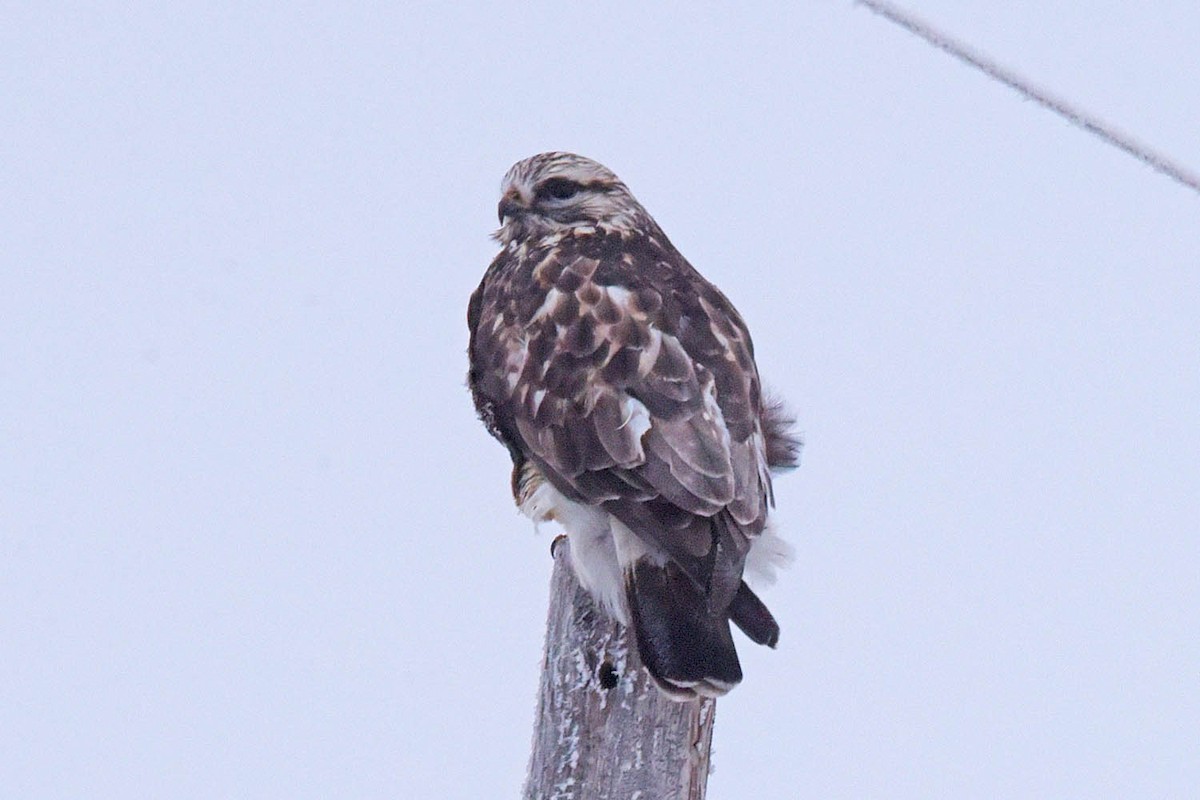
624 386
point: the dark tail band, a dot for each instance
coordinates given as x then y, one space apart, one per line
686 648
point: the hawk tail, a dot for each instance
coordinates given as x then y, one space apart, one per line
686 647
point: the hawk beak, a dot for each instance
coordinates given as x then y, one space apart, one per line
510 206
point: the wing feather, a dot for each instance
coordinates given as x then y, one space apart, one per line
630 380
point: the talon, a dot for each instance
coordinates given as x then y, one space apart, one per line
554 545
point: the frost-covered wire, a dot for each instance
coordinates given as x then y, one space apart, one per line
1073 114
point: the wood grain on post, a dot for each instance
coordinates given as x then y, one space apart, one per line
603 731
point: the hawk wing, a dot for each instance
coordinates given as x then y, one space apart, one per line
630 381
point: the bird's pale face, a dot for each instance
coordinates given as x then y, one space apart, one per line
555 192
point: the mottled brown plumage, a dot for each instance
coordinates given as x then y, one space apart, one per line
606 363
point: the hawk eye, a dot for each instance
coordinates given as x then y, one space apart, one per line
558 189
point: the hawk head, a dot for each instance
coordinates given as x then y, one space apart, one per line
554 192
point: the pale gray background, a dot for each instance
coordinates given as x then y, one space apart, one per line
254 544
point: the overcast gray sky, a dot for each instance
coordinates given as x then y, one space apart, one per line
254 544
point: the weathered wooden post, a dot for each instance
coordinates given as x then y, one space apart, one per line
603 731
